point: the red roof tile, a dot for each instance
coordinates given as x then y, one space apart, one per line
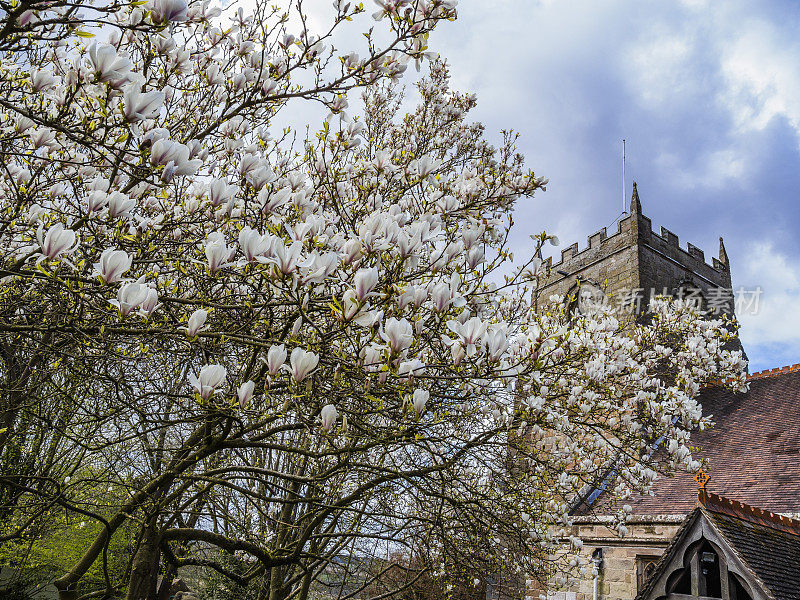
752 452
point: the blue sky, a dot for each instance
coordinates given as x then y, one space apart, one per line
707 96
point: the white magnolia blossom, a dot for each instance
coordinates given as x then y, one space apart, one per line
209 381
107 65
138 105
167 11
42 80
57 241
328 415
398 334
217 251
276 357
419 400
196 322
302 363
469 333
364 282
130 297
252 243
149 173
244 393
150 303
113 265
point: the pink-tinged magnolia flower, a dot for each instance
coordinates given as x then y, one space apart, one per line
317 267
260 177
420 399
130 297
351 251
175 158
35 213
196 321
276 357
137 106
298 323
119 205
220 192
365 281
302 364
150 302
252 243
383 161
410 368
471 236
42 137
408 245
496 344
458 352
373 358
272 201
96 201
169 11
217 251
475 257
107 66
441 297
398 334
200 12
113 264
328 415
22 124
211 378
57 241
26 18
285 257
415 295
425 166
469 333
350 305
245 393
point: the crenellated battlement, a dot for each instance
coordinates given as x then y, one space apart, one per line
600 243
635 257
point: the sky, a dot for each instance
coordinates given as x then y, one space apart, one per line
707 95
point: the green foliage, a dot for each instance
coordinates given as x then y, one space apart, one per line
61 539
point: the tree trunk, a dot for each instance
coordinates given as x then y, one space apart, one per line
144 573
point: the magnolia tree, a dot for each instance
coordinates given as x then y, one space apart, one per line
227 349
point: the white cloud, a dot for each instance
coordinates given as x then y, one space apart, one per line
761 69
777 320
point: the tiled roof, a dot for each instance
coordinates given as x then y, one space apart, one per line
773 372
752 453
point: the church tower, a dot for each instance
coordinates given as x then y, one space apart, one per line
635 263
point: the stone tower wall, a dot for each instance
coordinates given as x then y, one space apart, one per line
635 258
664 265
610 261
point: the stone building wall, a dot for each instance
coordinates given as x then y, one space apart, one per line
646 540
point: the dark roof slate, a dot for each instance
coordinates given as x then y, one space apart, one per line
773 555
